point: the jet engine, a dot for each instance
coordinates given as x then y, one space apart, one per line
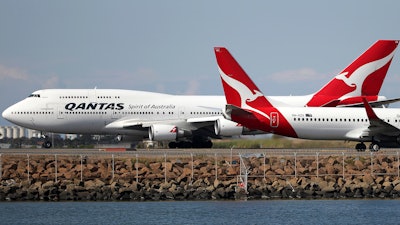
164 132
227 128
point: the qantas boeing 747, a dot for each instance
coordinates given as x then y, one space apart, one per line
185 121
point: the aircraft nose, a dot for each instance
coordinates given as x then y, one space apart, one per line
7 114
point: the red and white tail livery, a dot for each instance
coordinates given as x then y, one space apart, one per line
363 77
247 105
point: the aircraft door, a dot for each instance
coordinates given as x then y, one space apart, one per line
60 111
54 109
274 119
115 114
181 112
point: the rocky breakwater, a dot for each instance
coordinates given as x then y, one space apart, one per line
106 178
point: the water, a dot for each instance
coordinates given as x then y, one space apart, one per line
203 212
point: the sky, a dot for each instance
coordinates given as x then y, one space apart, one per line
287 47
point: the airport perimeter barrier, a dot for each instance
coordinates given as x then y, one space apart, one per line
213 165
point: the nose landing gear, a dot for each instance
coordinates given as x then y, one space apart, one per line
46 143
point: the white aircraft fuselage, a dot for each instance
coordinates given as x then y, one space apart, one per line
139 114
97 111
332 123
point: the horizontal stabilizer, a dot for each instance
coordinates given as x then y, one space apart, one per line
231 110
378 103
377 125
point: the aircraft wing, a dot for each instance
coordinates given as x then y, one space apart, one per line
378 126
125 123
203 119
136 124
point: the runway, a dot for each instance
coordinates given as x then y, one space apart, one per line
208 152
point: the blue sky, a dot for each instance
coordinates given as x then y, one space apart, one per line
287 47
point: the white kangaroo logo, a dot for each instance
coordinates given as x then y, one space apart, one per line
360 74
246 95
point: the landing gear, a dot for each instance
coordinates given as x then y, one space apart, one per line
360 147
47 144
180 144
374 147
190 144
119 138
202 144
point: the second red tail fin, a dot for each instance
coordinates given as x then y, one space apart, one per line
363 77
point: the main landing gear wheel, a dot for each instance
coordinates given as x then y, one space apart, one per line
47 144
180 144
189 144
360 147
374 147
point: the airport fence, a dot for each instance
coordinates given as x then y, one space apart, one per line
139 167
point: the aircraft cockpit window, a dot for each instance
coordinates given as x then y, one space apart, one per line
35 95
